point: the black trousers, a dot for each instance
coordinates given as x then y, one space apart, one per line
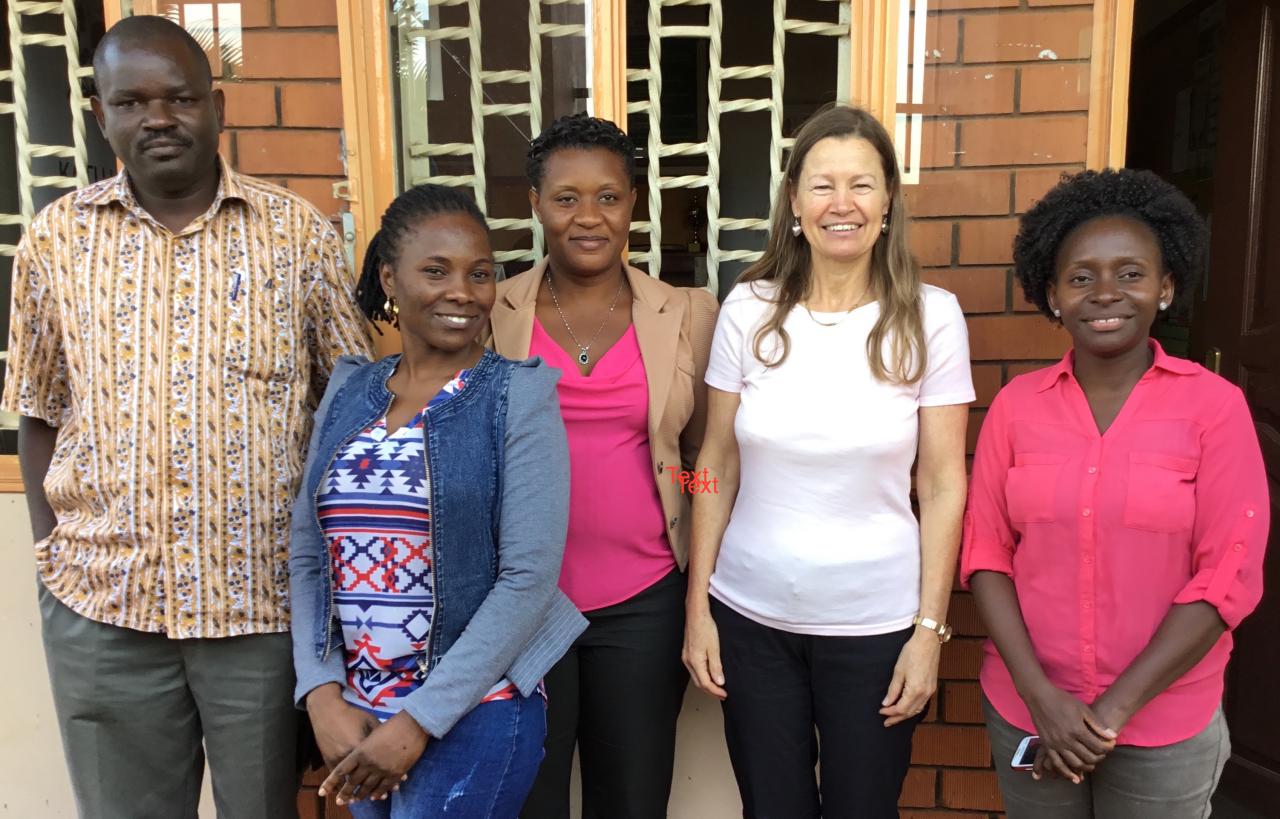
781 686
616 695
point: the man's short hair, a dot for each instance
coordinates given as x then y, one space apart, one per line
146 29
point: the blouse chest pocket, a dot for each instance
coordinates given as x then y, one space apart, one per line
1161 493
1031 488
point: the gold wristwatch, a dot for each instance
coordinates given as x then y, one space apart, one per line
943 630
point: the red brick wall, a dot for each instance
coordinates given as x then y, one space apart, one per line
284 108
1002 124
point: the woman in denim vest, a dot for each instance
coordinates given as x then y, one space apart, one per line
427 539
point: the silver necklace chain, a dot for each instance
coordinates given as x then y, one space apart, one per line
847 313
584 356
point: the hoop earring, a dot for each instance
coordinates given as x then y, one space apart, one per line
795 226
392 311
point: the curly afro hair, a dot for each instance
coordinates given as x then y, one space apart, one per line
578 131
1181 233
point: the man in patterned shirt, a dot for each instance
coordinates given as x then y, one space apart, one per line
172 330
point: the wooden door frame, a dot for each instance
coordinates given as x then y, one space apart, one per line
368 118
873 73
1108 128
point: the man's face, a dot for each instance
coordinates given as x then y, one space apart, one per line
157 108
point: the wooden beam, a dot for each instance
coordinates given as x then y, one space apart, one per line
1109 83
368 123
10 475
112 12
609 61
873 77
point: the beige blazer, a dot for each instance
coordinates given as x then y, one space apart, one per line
674 326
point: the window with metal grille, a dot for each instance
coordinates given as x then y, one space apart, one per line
45 126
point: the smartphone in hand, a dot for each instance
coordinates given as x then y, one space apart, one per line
1025 757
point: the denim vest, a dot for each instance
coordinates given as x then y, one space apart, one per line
465 443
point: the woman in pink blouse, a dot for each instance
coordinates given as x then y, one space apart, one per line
1116 523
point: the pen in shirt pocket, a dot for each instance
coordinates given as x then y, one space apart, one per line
235 287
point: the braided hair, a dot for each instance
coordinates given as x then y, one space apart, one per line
578 131
405 212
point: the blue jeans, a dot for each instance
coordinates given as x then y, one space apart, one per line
482 769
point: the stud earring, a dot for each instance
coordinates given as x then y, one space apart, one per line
795 226
1164 305
1057 313
884 224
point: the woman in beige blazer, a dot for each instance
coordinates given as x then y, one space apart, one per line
632 351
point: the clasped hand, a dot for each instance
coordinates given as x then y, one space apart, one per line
366 760
1073 738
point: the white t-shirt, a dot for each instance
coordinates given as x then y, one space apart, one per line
822 539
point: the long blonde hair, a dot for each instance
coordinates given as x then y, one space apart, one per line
895 278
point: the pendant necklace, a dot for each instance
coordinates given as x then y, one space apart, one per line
584 355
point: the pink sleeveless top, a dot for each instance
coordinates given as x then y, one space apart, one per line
617 545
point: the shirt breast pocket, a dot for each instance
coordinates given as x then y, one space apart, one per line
1161 494
261 328
1031 488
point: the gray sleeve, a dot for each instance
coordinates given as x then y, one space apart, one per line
306 551
535 520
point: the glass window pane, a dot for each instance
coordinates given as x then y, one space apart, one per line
730 88
467 104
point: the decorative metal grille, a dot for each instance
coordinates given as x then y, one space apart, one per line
19 12
719 73
418 34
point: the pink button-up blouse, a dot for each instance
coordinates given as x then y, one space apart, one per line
1102 534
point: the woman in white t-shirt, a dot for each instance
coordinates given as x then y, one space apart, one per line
817 603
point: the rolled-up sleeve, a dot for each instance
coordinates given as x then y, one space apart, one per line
988 538
1232 516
